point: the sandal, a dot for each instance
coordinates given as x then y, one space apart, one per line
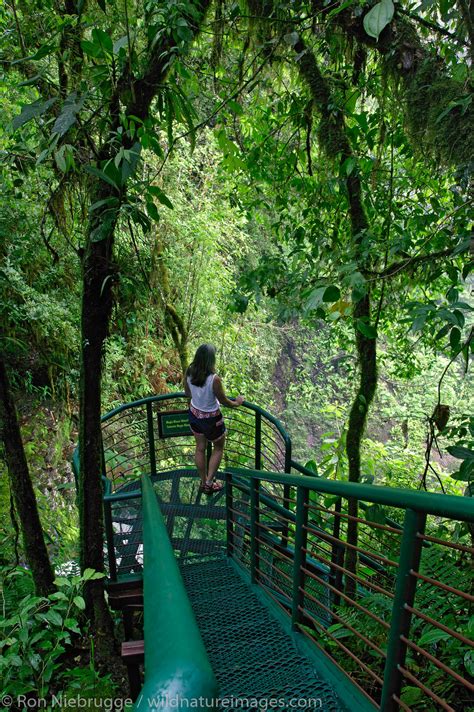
211 487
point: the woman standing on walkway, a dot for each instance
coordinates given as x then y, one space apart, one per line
204 387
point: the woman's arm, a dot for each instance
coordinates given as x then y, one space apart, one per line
218 390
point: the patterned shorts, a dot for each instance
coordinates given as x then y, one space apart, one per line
212 427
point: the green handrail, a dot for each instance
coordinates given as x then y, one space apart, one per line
416 505
182 394
177 670
441 505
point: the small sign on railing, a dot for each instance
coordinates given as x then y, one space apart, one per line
173 424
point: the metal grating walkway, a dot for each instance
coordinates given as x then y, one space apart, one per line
252 656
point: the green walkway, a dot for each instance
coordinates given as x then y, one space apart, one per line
250 652
290 534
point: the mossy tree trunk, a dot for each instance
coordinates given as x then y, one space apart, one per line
174 322
438 115
22 489
96 310
333 139
134 97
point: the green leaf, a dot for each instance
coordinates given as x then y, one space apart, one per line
455 337
152 211
462 453
366 329
53 617
433 636
469 662
91 49
43 52
100 174
235 107
72 624
339 9
315 298
410 695
61 581
67 117
79 602
31 112
162 197
311 465
58 596
105 201
102 39
331 294
465 472
103 230
378 18
88 574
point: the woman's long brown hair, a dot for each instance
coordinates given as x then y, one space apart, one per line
203 364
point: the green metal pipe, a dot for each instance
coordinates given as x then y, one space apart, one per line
177 669
151 438
410 555
120 496
299 555
290 516
258 440
181 394
254 518
441 505
229 503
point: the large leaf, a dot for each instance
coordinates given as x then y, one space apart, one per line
162 197
331 294
366 329
378 18
100 174
462 453
105 227
31 112
67 117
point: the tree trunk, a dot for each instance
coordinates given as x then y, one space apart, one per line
367 360
98 274
96 309
333 138
23 492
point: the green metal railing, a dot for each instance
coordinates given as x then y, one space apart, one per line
133 445
393 632
177 669
396 626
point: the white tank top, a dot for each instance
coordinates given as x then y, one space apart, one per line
202 397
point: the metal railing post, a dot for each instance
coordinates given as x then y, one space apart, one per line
301 536
254 519
409 560
286 491
109 535
151 439
258 440
229 500
337 553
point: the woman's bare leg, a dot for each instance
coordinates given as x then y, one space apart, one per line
216 457
200 456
